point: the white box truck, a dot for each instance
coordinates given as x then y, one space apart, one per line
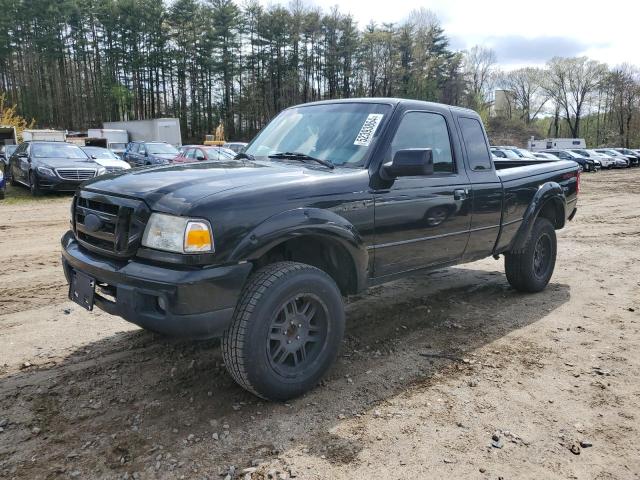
113 139
537 145
157 130
44 135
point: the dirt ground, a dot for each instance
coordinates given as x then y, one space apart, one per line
431 370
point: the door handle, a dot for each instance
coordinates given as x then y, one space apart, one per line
460 194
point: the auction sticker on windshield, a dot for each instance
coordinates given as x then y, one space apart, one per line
368 129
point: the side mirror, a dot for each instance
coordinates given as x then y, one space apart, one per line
411 162
93 157
200 158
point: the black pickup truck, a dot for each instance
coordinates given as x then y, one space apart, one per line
330 198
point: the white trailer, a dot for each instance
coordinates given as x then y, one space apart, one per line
537 145
157 130
114 140
45 135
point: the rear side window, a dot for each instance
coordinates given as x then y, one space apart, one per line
475 143
425 130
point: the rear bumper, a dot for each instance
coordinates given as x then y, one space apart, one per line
193 303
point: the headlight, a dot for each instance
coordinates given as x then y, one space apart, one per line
101 171
177 234
46 171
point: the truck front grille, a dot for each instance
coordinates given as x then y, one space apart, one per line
76 174
109 225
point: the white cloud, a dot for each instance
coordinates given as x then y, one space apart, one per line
607 31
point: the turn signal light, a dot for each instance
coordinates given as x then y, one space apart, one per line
197 238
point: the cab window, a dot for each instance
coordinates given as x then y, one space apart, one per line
475 144
425 130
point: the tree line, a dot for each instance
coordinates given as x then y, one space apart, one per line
74 64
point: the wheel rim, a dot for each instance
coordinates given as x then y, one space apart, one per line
436 217
542 256
297 334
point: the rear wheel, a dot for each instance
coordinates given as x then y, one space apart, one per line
286 330
530 270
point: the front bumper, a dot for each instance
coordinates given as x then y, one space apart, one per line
56 184
183 302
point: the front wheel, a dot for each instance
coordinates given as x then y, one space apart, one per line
286 331
530 270
33 185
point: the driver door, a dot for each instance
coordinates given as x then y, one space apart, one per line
423 220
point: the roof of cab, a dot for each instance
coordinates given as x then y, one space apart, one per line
394 102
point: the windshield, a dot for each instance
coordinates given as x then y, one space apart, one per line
612 152
160 148
584 153
508 153
101 153
57 150
219 153
340 133
525 153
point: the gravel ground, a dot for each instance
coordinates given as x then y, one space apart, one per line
450 374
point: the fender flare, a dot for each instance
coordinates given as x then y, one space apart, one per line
306 222
548 192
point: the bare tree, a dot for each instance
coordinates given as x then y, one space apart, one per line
625 85
479 67
525 86
571 82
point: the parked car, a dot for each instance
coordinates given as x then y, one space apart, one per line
504 153
140 154
634 158
261 251
545 156
237 147
606 161
587 164
615 154
199 153
108 159
5 152
3 179
51 166
520 152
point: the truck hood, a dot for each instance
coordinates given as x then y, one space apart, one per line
175 188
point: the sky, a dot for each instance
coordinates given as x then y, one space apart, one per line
521 33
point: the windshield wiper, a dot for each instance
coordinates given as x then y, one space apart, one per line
302 157
242 155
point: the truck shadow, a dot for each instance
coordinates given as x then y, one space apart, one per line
135 394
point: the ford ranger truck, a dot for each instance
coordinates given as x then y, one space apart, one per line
329 198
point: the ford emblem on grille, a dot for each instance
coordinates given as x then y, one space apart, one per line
92 222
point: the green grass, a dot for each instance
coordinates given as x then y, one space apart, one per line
21 195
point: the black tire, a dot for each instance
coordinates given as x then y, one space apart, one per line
12 179
531 269
269 354
33 185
